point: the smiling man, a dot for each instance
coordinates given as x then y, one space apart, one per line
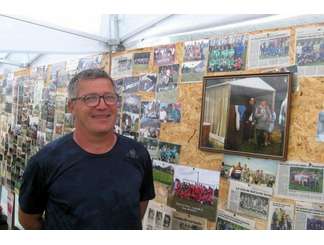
92 178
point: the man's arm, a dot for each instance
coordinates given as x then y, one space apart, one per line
143 206
30 221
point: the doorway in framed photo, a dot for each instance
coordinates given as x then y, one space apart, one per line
246 114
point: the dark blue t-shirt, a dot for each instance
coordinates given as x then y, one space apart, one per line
80 190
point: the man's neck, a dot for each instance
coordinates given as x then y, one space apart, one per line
95 144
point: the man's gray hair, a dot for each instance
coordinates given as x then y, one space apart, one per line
88 74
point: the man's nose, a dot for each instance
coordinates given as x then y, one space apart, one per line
101 103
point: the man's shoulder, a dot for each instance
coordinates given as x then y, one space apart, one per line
54 147
129 143
130 146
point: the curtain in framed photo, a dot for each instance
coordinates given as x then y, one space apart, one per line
216 109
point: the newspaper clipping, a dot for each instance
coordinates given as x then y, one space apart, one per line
249 200
301 182
269 49
230 221
121 66
309 216
281 216
157 217
310 51
182 221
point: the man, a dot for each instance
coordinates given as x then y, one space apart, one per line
249 121
91 178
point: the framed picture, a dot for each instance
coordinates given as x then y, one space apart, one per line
246 114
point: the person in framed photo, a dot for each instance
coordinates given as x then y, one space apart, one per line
249 121
263 118
91 178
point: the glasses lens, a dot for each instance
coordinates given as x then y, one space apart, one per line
110 98
91 100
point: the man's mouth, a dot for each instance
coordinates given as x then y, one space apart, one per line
101 116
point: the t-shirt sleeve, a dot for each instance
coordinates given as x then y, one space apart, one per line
147 189
32 194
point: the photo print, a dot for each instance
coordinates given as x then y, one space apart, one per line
167 83
320 127
141 61
310 51
194 60
169 152
152 146
131 84
132 104
170 112
195 191
130 122
148 82
281 216
246 115
227 54
306 179
164 55
231 221
163 172
150 127
90 62
250 170
150 109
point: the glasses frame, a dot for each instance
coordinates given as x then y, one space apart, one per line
99 97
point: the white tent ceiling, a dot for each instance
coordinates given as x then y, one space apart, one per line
25 41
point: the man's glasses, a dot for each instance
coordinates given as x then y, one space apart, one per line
93 100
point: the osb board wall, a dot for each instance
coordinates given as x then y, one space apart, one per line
307 102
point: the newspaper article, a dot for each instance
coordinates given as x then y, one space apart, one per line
300 181
281 216
309 216
121 66
310 51
249 199
230 221
182 221
157 217
269 49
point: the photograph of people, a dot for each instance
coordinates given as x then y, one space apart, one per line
246 114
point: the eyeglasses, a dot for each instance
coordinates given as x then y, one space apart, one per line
93 100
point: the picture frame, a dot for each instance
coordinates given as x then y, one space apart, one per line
246 114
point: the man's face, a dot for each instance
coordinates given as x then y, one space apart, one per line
94 120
